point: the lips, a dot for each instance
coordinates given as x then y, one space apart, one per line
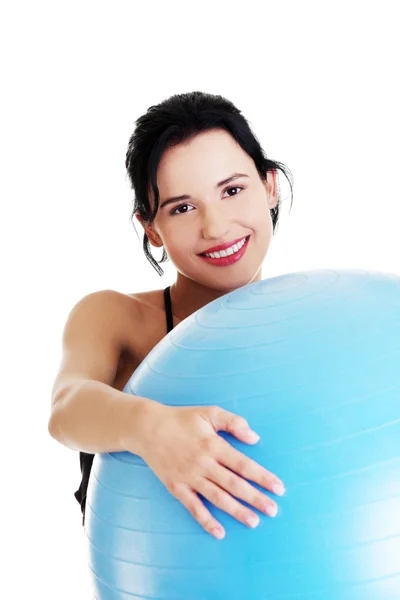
222 246
229 259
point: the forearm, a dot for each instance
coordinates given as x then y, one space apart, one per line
94 417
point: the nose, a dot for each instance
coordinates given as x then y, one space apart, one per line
215 224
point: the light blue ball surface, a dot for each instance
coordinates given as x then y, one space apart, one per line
312 361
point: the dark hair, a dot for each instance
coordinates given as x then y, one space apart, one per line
179 119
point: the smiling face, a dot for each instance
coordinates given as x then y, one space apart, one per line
213 211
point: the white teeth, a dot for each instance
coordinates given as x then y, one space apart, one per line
228 251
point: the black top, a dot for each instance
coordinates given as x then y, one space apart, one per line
86 459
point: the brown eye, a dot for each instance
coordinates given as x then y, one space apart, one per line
174 211
238 187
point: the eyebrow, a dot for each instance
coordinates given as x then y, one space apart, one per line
219 184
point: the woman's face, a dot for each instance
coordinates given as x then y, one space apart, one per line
212 214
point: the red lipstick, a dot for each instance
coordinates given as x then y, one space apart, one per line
227 260
222 246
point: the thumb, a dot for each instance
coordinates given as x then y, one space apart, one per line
224 420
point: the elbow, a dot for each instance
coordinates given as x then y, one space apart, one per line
61 400
58 400
53 427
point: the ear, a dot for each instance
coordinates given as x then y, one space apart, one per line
153 236
271 189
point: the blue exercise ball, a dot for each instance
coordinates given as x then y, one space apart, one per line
312 360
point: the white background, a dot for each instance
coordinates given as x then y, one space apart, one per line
318 82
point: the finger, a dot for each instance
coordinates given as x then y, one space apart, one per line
226 502
224 420
197 509
241 464
242 489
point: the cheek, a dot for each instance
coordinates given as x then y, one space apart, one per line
181 239
255 205
257 215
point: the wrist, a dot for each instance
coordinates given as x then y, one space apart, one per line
135 422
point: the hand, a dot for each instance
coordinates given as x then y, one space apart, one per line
181 446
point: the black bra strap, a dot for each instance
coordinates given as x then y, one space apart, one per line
168 309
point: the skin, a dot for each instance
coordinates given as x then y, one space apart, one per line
212 216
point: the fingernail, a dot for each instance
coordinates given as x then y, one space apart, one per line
253 435
252 520
278 489
218 532
271 510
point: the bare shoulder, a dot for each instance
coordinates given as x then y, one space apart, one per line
136 319
106 309
105 337
141 323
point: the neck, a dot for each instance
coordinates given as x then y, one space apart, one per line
188 296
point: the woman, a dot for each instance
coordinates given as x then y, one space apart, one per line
206 193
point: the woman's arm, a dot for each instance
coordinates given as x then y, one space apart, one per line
93 417
87 413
